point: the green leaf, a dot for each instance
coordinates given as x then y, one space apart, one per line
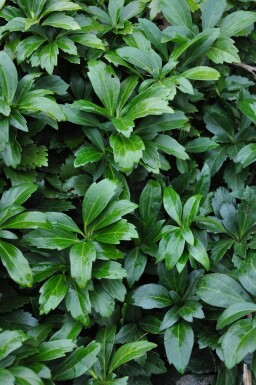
174 249
16 265
51 239
8 77
97 198
52 293
52 350
177 12
170 318
134 264
127 151
154 34
150 202
113 213
78 363
6 377
108 270
221 290
105 84
101 301
171 146
25 376
198 252
88 154
200 145
248 107
237 21
172 204
201 73
61 6
151 296
212 12
61 20
148 61
10 340
114 10
119 231
247 154
82 255
178 342
28 45
247 274
234 312
238 341
190 209
129 352
27 220
124 125
17 195
223 50
78 303
106 338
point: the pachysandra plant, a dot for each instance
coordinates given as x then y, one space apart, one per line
127 185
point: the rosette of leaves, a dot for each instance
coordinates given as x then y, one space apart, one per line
177 291
234 292
181 242
233 237
49 30
122 109
92 254
19 98
116 16
15 217
33 351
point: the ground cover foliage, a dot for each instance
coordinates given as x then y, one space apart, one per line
128 208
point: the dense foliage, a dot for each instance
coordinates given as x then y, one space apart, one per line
128 208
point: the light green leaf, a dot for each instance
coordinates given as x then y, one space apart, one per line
8 77
148 61
78 363
234 23
113 213
82 255
28 45
129 352
124 125
174 249
52 350
248 107
16 264
108 270
97 198
61 20
202 73
223 51
78 303
172 204
27 220
105 84
52 293
170 146
10 340
198 252
88 154
119 231
127 151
